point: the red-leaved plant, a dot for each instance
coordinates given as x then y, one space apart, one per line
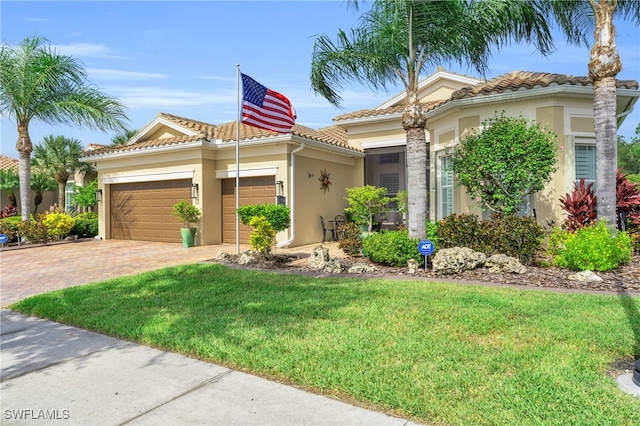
580 205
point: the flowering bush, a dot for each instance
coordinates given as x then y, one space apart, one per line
58 224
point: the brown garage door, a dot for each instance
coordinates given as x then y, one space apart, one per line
142 211
253 190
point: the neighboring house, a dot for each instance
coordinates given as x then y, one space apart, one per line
48 198
176 158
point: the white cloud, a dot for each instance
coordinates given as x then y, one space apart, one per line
150 97
111 74
83 49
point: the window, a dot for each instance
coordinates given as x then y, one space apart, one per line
389 158
391 181
585 163
69 196
446 186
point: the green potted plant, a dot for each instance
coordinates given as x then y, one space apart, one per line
188 214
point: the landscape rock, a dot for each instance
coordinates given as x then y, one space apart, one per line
247 258
585 276
412 266
456 260
362 268
223 255
319 257
504 263
333 266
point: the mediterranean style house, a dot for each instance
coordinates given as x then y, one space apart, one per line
175 158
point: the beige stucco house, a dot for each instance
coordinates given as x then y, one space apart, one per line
176 158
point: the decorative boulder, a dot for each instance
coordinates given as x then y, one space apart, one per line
333 266
223 255
412 266
504 263
362 268
585 276
457 259
247 258
319 257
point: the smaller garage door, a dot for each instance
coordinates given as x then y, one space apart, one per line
142 211
253 190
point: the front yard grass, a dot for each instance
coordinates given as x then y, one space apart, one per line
434 352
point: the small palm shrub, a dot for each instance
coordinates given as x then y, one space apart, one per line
593 248
58 224
392 248
351 242
262 237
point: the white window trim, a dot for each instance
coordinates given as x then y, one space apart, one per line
149 177
440 156
254 172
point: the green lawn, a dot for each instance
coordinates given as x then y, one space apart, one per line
437 353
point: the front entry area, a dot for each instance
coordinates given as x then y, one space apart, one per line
253 190
142 211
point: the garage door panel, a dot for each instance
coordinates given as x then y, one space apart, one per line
253 190
143 210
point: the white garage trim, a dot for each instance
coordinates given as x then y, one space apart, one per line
255 172
151 177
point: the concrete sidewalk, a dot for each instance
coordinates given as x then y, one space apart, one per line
55 374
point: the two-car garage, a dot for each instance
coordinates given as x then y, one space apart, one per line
143 210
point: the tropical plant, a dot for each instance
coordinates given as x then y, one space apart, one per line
10 181
123 137
85 196
277 215
627 200
8 211
60 157
262 237
365 202
186 212
351 241
58 224
580 205
504 163
392 248
576 20
398 40
37 83
41 182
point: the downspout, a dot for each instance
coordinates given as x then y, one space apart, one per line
292 198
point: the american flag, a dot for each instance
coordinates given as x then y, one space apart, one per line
266 108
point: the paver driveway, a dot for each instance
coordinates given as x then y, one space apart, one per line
34 270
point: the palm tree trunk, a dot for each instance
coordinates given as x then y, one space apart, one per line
604 66
62 186
414 123
24 148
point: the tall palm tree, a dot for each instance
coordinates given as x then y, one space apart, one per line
123 137
37 83
41 182
10 181
576 19
398 40
60 157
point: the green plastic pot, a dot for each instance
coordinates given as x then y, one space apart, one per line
188 236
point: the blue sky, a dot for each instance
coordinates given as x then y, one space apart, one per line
180 57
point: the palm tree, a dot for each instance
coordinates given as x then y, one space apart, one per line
576 19
60 157
10 181
38 83
123 137
399 39
41 182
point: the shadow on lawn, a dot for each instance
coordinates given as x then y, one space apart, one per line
633 314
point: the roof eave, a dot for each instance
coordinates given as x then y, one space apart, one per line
368 120
145 151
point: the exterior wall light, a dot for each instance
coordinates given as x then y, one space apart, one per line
99 195
194 190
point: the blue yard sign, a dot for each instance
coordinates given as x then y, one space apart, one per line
3 239
425 247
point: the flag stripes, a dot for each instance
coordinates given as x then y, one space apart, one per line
266 108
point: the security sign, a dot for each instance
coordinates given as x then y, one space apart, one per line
3 238
425 247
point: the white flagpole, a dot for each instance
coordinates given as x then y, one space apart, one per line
238 165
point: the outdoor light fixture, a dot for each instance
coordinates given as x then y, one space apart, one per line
280 186
194 190
99 195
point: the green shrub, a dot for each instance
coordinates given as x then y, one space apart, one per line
261 239
432 233
277 215
85 227
557 241
462 230
87 215
58 224
392 248
516 236
9 227
33 230
186 213
594 248
351 242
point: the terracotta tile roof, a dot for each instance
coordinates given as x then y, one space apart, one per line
226 133
7 163
364 113
517 80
